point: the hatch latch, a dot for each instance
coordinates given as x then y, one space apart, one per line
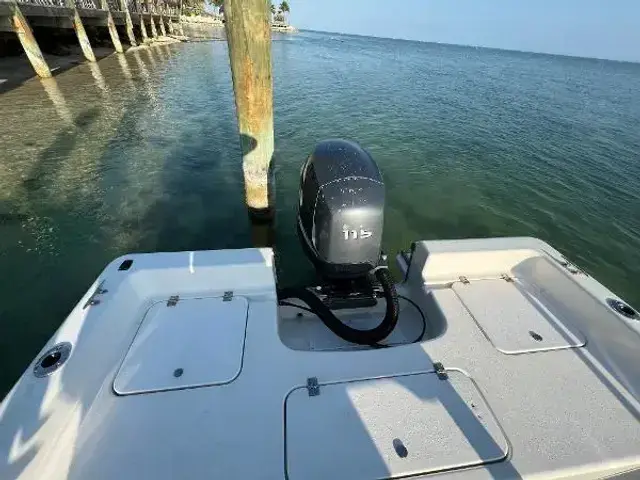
440 371
227 296
173 301
312 387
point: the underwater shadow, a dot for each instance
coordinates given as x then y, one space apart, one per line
25 411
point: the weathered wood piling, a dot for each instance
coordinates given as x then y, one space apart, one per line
249 40
143 29
111 25
162 29
128 23
23 30
154 31
81 33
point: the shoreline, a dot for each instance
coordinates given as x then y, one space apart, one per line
17 70
215 22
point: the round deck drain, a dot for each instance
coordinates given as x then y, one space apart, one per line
622 308
52 359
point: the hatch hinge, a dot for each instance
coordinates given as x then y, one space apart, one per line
506 278
93 300
567 265
227 296
465 280
440 371
312 387
173 301
571 268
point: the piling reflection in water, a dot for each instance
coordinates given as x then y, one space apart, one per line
152 57
124 66
96 73
55 95
262 233
148 74
160 52
141 66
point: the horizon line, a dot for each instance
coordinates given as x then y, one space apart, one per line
463 45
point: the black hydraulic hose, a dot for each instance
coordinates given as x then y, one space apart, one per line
353 335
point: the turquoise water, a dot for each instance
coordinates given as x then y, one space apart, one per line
140 153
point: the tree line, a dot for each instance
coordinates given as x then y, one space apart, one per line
197 7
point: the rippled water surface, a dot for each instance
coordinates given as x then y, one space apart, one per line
140 153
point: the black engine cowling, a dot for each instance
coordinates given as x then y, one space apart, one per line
340 220
341 211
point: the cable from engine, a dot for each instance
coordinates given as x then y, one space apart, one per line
369 337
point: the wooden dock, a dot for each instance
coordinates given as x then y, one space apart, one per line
140 20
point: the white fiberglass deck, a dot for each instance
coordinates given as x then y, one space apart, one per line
184 366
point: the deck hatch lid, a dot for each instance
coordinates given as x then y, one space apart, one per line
185 344
513 319
390 427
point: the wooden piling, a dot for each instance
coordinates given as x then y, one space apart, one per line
180 29
162 30
23 30
170 25
128 23
83 39
249 41
111 25
154 31
143 29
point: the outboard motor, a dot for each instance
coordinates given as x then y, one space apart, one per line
341 212
340 220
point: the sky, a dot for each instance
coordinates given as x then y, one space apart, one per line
586 28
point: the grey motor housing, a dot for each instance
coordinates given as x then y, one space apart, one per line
341 210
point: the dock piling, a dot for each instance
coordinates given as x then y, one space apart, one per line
154 31
83 39
143 29
128 23
23 30
111 25
249 41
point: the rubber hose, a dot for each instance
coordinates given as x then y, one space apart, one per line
360 337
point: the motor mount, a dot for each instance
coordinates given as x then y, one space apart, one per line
341 210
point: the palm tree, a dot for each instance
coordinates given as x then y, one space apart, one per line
273 9
284 8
